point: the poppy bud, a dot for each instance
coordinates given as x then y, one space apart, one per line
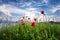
42 12
35 19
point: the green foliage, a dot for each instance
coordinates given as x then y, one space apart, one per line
42 31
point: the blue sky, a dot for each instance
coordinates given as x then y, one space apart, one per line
18 8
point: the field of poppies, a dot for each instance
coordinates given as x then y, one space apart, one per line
31 31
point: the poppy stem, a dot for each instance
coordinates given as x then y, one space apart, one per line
10 37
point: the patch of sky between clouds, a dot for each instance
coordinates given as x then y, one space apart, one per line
54 2
6 1
16 14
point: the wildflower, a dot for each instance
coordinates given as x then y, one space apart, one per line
23 23
21 20
28 18
42 12
33 24
35 19
16 21
23 17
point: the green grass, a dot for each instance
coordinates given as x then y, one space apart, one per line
42 31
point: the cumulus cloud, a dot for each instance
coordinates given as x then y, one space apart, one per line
34 3
25 4
45 1
8 9
29 11
41 3
3 9
55 8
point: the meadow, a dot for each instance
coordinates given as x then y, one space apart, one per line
42 31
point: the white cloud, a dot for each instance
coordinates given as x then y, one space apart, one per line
55 8
31 9
46 1
41 3
33 1
8 9
23 5
30 12
26 4
3 9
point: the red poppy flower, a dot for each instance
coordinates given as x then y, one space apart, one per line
33 24
42 12
9 33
